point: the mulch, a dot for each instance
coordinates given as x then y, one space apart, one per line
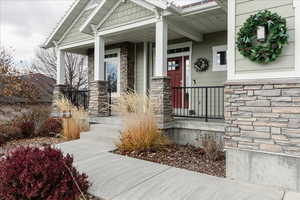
32 142
185 157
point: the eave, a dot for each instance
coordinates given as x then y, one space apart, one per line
65 22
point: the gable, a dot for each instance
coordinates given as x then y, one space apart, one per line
74 34
125 13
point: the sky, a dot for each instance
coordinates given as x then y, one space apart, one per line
25 24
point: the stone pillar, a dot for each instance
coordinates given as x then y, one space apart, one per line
99 99
160 96
262 136
127 67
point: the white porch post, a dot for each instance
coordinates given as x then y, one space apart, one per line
296 5
98 102
161 47
99 59
60 79
160 93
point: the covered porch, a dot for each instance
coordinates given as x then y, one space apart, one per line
156 56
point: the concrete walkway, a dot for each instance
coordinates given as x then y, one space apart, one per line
117 177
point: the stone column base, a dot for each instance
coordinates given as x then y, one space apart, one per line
99 99
161 99
57 94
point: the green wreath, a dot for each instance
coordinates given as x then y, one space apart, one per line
277 37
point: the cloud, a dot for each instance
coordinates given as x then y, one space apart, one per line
25 24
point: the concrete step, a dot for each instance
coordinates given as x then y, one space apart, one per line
102 132
112 120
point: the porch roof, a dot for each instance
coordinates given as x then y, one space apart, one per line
201 17
65 22
107 6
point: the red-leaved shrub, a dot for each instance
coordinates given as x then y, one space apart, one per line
27 127
35 174
9 132
51 125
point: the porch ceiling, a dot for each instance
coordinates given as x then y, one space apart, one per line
205 22
140 35
201 23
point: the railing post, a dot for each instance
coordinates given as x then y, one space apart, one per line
109 98
206 104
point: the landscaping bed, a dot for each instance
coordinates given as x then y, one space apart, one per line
185 157
33 142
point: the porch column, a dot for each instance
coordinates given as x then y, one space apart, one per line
160 68
99 58
60 65
60 87
98 103
160 91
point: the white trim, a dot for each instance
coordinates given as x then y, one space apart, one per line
222 4
217 67
201 8
135 67
70 27
180 45
186 31
233 75
99 53
231 41
109 13
127 27
64 19
188 81
145 67
144 4
161 42
69 46
87 22
118 60
158 3
91 6
296 4
127 23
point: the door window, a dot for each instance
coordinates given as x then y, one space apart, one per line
112 67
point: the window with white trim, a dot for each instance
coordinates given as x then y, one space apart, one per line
219 58
112 70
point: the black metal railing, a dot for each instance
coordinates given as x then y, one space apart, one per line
198 102
109 91
79 98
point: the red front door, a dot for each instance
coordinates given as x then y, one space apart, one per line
175 72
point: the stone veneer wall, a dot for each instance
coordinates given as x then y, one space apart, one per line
127 67
263 115
160 95
98 101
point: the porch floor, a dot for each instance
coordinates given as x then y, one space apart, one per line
116 177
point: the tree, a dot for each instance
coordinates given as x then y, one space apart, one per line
12 84
76 68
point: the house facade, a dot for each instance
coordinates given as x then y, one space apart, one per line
184 55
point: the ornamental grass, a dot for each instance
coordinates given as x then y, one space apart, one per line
76 122
141 132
